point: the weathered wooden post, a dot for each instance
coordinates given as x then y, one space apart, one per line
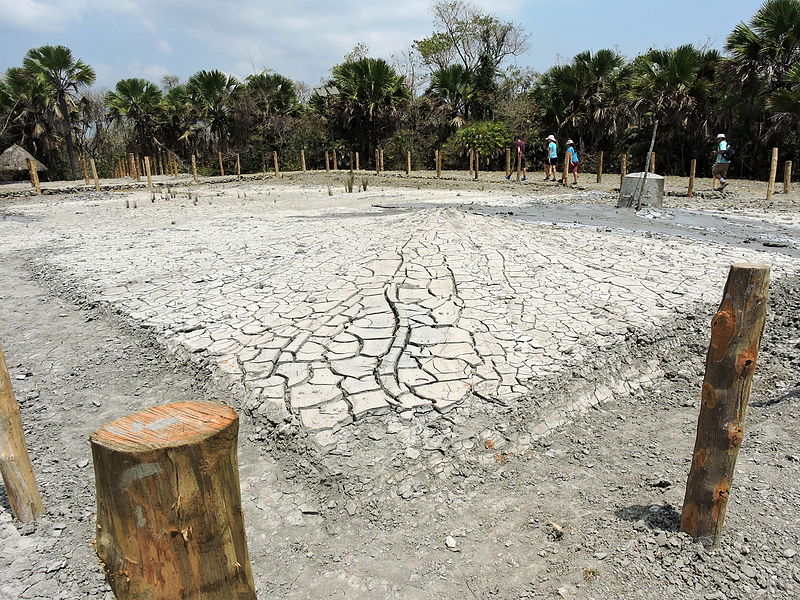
377 162
437 158
382 157
169 512
773 172
518 160
147 171
15 463
34 175
653 162
194 168
477 156
623 168
132 167
94 175
85 168
238 168
565 174
736 331
600 168
408 162
327 161
175 165
275 164
508 162
469 160
692 173
787 177
335 161
303 160
358 163
221 165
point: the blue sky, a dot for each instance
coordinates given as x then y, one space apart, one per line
303 40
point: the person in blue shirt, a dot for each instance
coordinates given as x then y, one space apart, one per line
720 168
574 162
551 160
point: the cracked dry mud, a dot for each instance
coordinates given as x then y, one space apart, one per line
388 361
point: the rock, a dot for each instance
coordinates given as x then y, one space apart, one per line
652 193
451 543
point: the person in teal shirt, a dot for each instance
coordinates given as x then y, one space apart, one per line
574 162
720 168
551 160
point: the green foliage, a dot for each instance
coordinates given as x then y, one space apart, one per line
488 138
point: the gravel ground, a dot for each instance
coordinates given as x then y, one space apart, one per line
462 504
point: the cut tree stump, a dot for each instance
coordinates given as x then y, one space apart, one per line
736 331
169 515
15 463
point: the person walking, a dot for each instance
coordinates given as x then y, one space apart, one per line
574 161
552 158
720 168
519 154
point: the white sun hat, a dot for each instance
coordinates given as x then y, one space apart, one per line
551 138
570 142
721 135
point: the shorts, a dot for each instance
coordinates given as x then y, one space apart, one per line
720 170
551 162
574 167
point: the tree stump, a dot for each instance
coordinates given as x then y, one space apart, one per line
169 515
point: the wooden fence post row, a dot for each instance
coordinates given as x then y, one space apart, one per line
736 331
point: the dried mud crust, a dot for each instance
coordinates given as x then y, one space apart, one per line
459 505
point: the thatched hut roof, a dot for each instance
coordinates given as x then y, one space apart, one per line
15 159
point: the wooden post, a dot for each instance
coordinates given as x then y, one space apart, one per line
15 463
335 161
238 168
508 162
787 177
94 174
773 171
327 161
477 156
175 165
303 160
736 331
377 162
194 168
147 171
623 168
692 173
437 157
565 175
469 159
653 162
221 165
34 176
382 157
275 164
169 510
518 161
600 168
408 162
85 168
132 167
358 162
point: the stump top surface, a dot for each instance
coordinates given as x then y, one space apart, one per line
165 426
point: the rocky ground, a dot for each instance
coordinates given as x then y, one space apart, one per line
561 475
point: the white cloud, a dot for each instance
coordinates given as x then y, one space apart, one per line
164 46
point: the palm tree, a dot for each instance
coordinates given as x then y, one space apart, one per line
273 93
785 104
140 102
29 112
210 94
369 98
454 88
676 87
55 67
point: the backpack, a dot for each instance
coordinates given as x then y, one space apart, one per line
729 153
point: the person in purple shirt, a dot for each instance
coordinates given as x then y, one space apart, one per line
519 155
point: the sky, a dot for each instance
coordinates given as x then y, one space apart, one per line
303 40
